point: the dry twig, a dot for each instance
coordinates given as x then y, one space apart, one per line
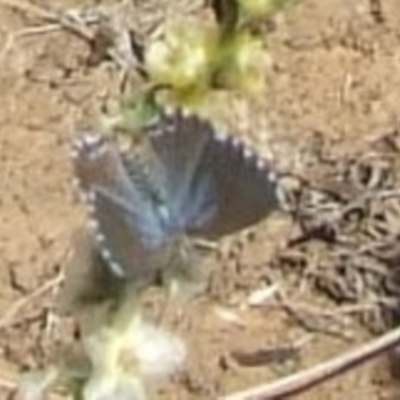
78 24
307 379
7 384
23 302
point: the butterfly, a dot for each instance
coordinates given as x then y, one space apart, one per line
193 182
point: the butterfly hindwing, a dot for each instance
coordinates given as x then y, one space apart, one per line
245 187
123 246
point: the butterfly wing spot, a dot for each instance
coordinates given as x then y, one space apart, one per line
90 146
76 184
261 166
93 225
164 123
92 140
221 136
169 112
235 143
74 154
186 113
80 193
89 153
248 154
106 254
91 197
77 147
94 228
155 131
91 208
272 176
258 163
116 269
100 238
169 129
114 266
81 144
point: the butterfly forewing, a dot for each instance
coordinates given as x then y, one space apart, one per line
126 228
178 144
214 184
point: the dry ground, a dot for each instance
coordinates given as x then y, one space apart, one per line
336 72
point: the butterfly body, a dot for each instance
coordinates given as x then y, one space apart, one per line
197 184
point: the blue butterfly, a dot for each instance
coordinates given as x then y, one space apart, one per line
193 183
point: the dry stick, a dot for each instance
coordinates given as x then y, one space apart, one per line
306 379
29 8
295 309
70 22
12 37
13 385
7 384
20 304
376 11
66 20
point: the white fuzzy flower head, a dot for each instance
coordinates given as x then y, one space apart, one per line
158 352
113 387
122 360
35 385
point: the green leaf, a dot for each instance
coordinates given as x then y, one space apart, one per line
139 111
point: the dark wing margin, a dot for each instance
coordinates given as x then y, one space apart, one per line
245 187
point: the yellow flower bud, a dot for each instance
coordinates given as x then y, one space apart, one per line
259 8
245 65
180 58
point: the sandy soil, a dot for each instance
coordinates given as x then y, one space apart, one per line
336 71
